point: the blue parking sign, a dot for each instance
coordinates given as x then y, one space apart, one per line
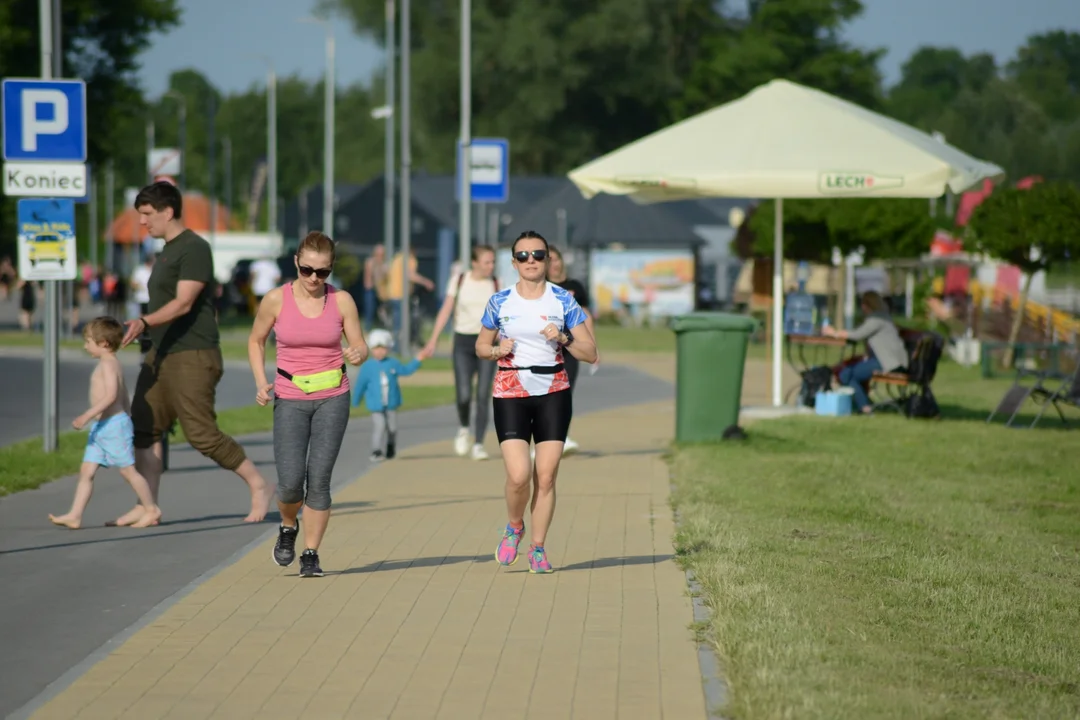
44 120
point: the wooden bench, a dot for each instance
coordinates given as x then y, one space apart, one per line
891 378
899 388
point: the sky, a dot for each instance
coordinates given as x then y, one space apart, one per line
224 39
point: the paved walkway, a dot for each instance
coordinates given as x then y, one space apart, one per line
415 619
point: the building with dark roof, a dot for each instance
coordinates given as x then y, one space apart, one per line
551 205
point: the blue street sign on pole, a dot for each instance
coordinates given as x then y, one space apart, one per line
490 166
44 120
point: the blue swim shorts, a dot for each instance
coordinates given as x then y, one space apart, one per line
111 442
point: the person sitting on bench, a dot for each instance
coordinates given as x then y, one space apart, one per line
886 349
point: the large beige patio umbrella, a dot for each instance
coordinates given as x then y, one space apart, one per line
783 140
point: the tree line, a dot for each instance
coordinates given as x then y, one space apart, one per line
567 81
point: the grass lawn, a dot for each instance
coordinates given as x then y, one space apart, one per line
17 338
611 338
232 348
651 340
26 466
890 568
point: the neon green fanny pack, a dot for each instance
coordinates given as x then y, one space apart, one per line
325 380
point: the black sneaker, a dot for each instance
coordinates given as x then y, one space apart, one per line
376 456
309 564
391 450
285 547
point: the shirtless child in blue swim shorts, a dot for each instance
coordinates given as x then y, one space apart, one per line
112 436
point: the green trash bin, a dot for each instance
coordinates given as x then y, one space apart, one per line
710 357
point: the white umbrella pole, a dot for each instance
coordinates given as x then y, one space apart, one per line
778 301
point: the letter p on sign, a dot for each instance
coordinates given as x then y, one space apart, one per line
33 125
43 120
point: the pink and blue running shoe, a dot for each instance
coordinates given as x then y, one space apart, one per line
538 562
507 552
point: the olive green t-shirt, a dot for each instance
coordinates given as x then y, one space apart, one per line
186 257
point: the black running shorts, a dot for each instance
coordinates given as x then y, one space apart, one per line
541 418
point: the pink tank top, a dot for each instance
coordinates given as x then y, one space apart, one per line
308 345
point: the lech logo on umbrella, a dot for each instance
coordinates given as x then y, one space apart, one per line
856 182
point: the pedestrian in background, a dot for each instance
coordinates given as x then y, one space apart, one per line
179 376
467 295
377 385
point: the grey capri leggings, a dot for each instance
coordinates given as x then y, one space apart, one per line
307 438
467 366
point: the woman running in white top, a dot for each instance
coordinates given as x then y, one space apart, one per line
527 328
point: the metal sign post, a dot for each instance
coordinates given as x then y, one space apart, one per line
44 128
46 241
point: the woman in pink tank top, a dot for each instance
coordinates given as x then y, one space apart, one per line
311 392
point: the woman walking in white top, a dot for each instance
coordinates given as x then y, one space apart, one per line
466 297
528 328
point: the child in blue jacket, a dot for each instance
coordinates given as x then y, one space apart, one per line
377 384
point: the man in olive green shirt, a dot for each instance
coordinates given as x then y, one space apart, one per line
179 376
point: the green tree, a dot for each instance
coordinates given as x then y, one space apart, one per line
888 228
1032 229
1027 120
884 228
564 80
932 79
800 40
241 117
191 91
102 40
1047 69
806 230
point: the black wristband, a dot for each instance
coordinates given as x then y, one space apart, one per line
569 338
145 325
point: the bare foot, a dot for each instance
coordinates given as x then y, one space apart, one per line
72 523
260 503
148 519
129 518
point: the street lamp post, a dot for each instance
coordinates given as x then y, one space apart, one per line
179 97
271 151
150 142
328 150
465 171
328 144
50 365
212 169
226 143
388 173
386 113
405 342
271 145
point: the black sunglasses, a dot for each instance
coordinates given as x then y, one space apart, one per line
537 255
321 273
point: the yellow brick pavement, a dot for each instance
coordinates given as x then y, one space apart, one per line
416 620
